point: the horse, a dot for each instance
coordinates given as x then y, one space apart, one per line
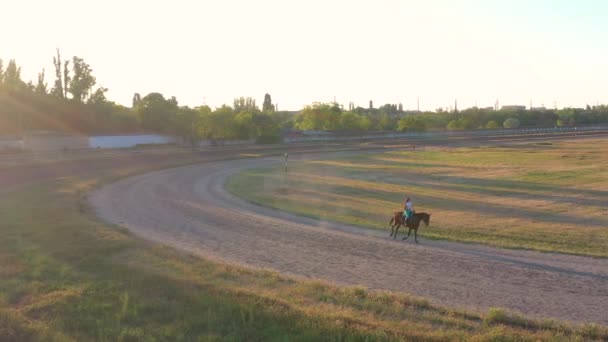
413 223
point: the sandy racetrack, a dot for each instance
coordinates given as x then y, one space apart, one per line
188 208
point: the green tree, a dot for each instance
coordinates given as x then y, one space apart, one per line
12 75
136 100
57 89
41 86
245 104
386 123
511 123
187 122
156 113
492 124
204 114
99 96
267 106
1 72
454 125
267 127
319 116
218 124
66 78
412 123
245 128
82 81
353 121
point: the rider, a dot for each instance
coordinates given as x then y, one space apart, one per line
407 209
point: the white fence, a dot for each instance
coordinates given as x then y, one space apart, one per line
126 141
222 142
442 134
11 144
50 143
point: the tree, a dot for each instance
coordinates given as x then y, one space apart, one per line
454 125
187 124
319 116
267 106
58 87
267 127
412 123
66 78
245 104
245 128
12 75
41 85
511 123
1 71
386 123
98 97
218 124
351 121
371 104
82 80
136 100
492 124
156 113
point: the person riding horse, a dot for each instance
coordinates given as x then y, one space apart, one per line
408 211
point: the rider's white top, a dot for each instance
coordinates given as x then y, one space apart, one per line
408 204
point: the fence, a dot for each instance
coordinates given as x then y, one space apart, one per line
126 141
443 134
11 144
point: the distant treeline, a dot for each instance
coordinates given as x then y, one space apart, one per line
76 103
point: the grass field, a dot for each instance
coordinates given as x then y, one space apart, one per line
541 196
65 276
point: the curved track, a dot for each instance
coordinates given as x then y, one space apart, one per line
188 208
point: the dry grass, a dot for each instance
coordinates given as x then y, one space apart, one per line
68 277
547 196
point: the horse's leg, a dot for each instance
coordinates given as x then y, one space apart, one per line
408 234
416 235
396 230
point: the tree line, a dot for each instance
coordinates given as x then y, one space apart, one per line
76 103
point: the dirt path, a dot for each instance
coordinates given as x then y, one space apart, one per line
188 208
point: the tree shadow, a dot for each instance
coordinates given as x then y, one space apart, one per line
479 206
475 187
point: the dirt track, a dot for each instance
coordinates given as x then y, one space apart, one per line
188 208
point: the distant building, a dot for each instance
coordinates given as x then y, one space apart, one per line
513 108
489 109
543 108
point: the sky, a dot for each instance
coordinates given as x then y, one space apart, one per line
475 52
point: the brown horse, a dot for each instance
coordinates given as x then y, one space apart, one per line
413 223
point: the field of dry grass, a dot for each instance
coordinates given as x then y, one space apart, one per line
540 196
66 276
